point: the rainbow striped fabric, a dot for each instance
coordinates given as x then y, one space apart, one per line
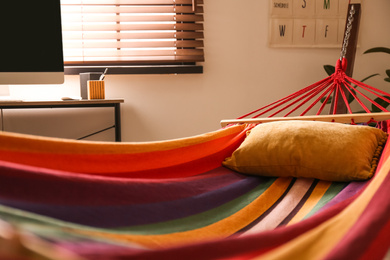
65 199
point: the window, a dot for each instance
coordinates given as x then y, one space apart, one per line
133 36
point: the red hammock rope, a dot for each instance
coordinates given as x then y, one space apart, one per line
335 85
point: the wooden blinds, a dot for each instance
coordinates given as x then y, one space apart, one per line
118 32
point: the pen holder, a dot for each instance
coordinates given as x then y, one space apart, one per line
84 77
96 89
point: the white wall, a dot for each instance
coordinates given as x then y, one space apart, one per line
241 73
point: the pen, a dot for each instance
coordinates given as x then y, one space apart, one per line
103 75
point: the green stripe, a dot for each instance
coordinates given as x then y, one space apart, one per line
330 193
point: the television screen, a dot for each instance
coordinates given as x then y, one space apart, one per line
31 42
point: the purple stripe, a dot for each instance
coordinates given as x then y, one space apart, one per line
131 215
54 187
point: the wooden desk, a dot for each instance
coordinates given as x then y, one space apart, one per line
115 103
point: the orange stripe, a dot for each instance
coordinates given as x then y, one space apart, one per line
38 144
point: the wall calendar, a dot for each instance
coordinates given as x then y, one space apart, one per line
307 23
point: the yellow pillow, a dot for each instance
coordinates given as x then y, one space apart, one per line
326 151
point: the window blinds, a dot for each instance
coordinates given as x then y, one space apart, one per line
128 32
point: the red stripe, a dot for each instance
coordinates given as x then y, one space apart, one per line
181 162
378 248
365 231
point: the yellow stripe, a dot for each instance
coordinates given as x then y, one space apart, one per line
220 229
318 242
311 202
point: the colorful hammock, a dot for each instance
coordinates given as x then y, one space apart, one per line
66 199
63 199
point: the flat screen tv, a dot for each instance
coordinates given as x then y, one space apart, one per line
31 42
